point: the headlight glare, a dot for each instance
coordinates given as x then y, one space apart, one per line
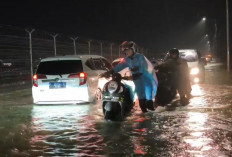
194 71
196 80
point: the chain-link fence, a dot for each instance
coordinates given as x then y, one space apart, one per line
21 48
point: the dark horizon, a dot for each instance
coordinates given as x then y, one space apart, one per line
156 25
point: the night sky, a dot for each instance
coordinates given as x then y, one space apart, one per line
156 25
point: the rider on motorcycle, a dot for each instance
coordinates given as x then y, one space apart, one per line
180 74
143 75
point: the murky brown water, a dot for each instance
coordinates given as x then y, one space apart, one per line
203 128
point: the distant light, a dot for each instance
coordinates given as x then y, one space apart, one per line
206 35
204 18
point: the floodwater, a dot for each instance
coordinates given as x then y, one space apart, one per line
201 129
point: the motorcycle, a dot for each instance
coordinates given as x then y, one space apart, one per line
166 91
117 98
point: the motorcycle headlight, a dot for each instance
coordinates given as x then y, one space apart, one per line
121 90
112 86
194 71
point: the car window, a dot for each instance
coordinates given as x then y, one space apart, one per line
189 56
60 67
106 65
97 63
101 64
89 64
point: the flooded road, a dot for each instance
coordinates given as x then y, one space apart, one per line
203 128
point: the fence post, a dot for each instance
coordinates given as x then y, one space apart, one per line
101 48
30 51
89 46
111 51
74 44
119 50
54 38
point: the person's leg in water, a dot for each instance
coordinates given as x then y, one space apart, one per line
149 96
150 105
140 91
184 100
142 105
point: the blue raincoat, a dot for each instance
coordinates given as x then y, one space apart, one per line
142 70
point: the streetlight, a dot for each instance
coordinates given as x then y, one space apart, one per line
215 34
30 43
228 38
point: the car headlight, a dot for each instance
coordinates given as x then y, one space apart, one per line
112 86
194 71
196 80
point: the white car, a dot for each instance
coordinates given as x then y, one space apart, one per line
69 79
195 64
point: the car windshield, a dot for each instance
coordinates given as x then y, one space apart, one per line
60 67
189 56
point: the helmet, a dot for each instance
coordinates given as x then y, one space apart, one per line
117 77
128 45
174 51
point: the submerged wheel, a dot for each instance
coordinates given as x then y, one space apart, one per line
107 115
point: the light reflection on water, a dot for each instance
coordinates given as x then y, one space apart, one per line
197 90
210 97
80 130
57 127
197 127
197 99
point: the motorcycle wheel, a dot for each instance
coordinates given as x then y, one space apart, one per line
107 115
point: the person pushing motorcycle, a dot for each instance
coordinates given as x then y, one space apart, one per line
180 79
143 75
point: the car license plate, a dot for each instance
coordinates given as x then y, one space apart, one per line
54 85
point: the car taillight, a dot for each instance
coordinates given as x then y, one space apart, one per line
82 77
35 80
36 77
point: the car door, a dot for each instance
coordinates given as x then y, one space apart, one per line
105 66
92 77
